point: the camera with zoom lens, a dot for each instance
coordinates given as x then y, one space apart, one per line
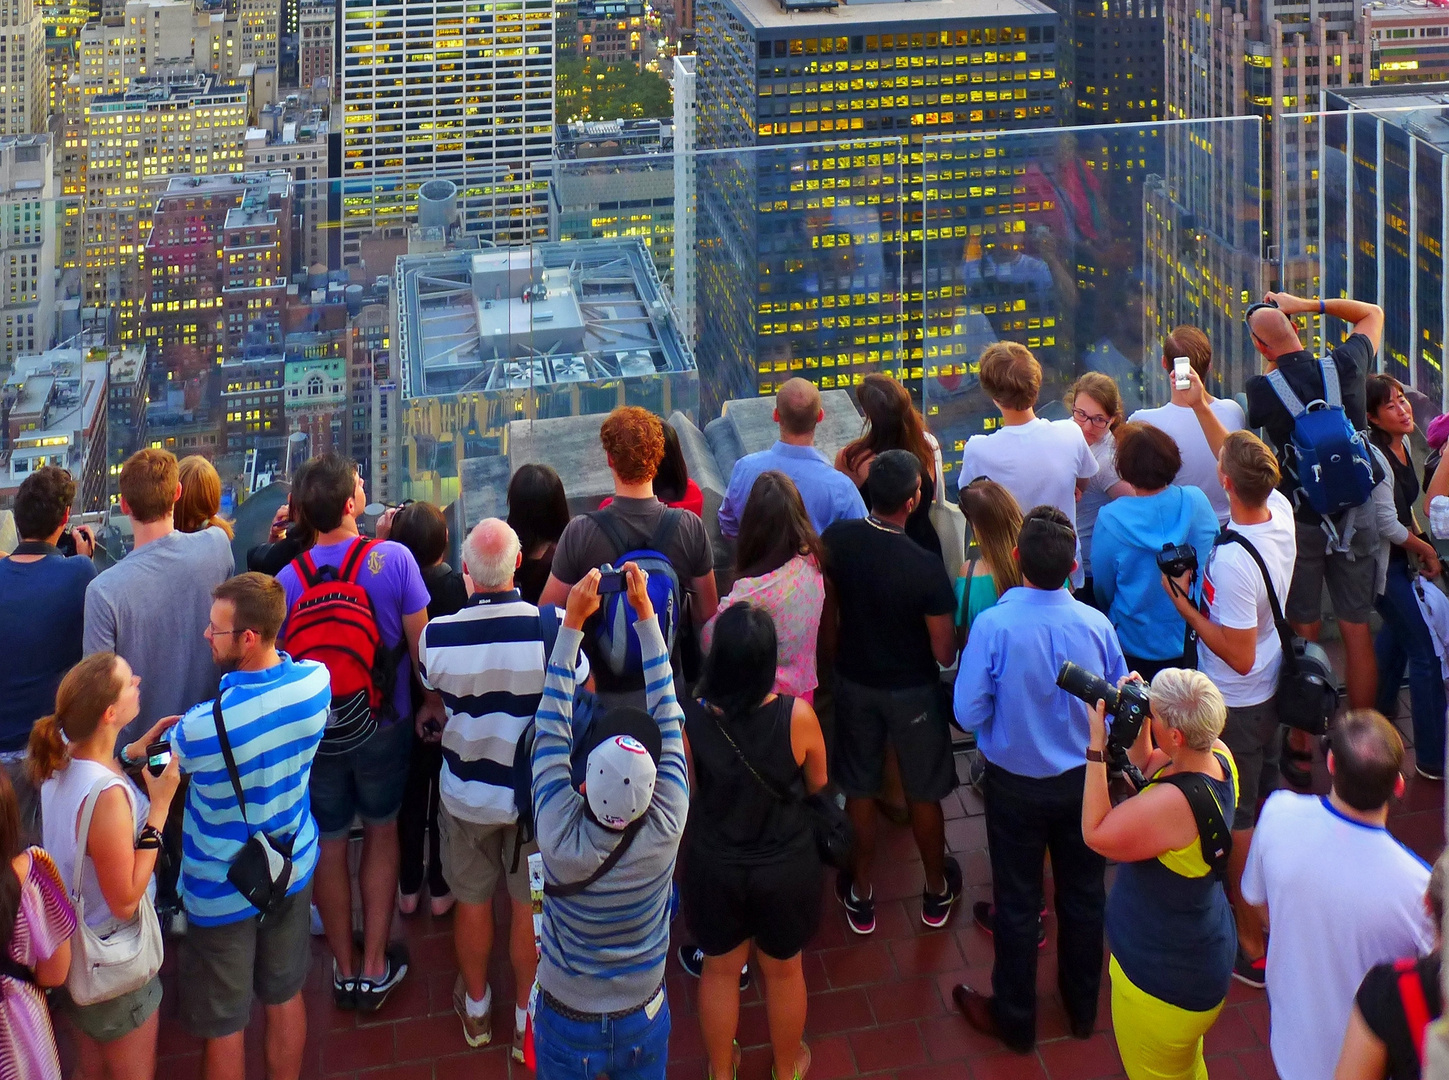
1128 707
1174 560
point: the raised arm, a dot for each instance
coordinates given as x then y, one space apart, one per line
1212 427
671 790
1367 319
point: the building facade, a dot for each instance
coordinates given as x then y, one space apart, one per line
27 246
54 410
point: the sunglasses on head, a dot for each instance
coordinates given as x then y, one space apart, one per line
1254 308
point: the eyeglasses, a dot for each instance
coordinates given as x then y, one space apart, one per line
214 632
1086 418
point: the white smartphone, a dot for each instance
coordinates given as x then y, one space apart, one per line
1181 365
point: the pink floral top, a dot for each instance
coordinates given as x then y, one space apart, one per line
794 595
44 922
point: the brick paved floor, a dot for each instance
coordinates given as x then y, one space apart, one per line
879 1006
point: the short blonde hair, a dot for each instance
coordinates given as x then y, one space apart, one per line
1187 701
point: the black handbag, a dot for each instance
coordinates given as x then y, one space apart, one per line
263 869
1307 694
834 834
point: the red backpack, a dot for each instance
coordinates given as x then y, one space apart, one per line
334 622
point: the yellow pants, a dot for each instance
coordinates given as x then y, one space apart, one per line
1157 1041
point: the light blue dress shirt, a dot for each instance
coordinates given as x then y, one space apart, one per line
1006 688
829 494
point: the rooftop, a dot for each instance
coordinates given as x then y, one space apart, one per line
501 319
62 388
127 365
1421 109
1427 10
768 14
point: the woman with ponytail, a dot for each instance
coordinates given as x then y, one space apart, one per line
751 872
36 922
72 752
200 504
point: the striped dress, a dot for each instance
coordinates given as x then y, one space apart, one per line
44 922
604 949
274 720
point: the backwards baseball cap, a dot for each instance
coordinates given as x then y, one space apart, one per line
622 766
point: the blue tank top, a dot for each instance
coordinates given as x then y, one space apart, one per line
1169 922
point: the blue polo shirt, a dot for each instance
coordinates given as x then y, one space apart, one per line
1006 688
829 495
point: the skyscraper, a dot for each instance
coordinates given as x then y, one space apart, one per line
27 246
444 88
24 88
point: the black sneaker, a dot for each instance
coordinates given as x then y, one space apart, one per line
1251 972
344 991
936 909
372 991
860 914
984 915
691 959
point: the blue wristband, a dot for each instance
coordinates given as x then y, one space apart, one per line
1320 306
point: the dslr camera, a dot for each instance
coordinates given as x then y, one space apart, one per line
1128 708
1174 560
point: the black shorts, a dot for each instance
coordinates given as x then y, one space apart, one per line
776 905
916 726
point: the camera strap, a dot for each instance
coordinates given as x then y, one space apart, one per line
1214 836
1285 632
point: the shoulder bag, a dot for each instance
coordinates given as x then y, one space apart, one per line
1307 694
263 869
105 966
834 835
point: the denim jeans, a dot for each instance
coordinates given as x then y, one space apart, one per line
1404 642
631 1047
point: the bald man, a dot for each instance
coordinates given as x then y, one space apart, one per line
487 662
829 495
1349 575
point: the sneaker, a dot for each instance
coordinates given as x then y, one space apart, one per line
1251 972
691 959
372 991
1427 772
477 1030
975 770
859 913
936 909
984 915
517 1051
344 991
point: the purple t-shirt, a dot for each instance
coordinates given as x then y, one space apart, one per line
390 576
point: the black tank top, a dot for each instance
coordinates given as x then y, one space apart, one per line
733 817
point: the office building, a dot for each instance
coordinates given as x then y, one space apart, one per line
294 135
810 248
136 140
615 197
254 408
317 43
27 246
53 407
612 138
686 135
25 89
486 337
127 396
428 90
315 382
614 32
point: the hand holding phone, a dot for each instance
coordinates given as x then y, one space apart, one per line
158 756
1181 365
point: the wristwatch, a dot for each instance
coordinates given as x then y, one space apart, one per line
1096 755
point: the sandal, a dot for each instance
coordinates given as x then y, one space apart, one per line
734 1066
1295 765
802 1063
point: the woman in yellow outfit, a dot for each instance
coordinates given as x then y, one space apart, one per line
1169 924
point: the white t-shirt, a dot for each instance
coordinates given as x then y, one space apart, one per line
1235 596
1199 463
1038 462
1095 496
1342 896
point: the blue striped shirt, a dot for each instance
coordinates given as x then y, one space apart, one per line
274 720
604 949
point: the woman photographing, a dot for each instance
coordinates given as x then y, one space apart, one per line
1171 930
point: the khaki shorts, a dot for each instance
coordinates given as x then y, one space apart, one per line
222 967
1350 581
107 1021
476 856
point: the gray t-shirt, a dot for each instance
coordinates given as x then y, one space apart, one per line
152 608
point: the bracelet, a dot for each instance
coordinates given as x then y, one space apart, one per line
1320 306
149 840
1096 755
127 761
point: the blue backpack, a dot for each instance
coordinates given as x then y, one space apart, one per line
615 645
1329 459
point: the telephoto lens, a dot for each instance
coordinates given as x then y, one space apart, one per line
1081 683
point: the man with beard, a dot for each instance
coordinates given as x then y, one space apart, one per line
273 711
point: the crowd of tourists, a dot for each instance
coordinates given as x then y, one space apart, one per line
614 737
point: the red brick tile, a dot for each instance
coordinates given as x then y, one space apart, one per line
889 1047
1231 1032
348 1051
428 1037
1081 1059
1223 1067
1008 1066
754 1026
898 880
859 965
1256 1013
894 919
965 834
408 1000
926 954
840 1010
913 999
950 1038
831 1058
685 1038
419 1070
1256 1064
492 1063
951 1071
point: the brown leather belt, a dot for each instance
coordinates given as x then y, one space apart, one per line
569 1013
